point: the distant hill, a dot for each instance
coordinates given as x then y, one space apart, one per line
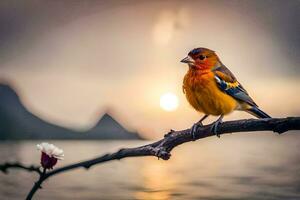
109 128
17 123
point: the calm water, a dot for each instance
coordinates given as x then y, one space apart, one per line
241 166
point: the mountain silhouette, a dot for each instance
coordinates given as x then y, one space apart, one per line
108 128
17 123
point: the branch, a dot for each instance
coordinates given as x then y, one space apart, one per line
4 168
163 147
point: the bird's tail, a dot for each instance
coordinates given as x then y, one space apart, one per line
257 112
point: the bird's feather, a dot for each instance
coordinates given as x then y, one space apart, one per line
227 82
254 110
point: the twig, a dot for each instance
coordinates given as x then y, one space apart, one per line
4 168
163 147
37 185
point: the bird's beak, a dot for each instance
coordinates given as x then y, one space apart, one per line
188 59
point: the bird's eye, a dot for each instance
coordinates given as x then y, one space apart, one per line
202 57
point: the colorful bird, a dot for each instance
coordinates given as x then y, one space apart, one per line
212 89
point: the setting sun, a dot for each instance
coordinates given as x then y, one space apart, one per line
169 102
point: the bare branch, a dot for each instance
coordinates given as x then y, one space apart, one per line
4 168
163 147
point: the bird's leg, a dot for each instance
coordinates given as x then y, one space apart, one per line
197 125
214 127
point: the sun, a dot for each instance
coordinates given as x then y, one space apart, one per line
169 101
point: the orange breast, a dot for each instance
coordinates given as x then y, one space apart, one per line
204 95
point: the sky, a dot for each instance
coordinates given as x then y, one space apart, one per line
71 61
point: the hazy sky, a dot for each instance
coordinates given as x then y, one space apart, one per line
70 60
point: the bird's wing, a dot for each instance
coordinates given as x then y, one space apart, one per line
227 82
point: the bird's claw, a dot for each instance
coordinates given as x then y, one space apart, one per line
214 128
195 128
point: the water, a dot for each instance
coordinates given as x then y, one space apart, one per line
240 166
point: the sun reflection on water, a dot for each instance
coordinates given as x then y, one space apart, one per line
158 181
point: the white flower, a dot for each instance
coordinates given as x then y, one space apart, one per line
51 150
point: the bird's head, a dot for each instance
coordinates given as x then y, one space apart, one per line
202 59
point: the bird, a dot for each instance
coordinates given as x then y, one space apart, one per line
211 88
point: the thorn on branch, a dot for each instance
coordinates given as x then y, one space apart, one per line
86 167
280 128
160 152
169 133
